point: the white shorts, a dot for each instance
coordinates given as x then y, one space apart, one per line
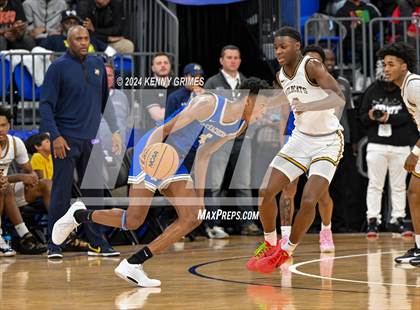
312 155
19 189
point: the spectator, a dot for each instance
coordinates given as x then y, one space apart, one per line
390 134
234 157
39 146
122 109
42 17
153 97
13 27
59 43
73 97
13 150
104 18
179 99
406 8
365 11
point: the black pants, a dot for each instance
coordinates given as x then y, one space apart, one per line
61 194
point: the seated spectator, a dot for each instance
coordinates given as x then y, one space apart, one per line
122 110
13 149
13 27
58 42
406 8
104 19
42 17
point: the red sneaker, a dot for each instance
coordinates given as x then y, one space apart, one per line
265 249
270 263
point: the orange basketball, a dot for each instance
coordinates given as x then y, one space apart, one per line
161 161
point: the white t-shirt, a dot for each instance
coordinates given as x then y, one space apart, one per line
232 81
8 154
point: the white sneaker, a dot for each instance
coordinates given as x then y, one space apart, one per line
135 274
219 233
6 250
66 224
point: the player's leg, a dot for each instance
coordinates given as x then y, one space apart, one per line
140 199
28 243
411 256
325 207
287 208
5 249
180 194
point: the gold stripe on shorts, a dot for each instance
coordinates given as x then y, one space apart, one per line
293 161
339 155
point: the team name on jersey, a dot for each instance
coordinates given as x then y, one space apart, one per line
295 89
215 130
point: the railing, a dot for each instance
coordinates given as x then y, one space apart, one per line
389 34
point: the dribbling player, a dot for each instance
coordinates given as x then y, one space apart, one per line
215 120
399 61
315 147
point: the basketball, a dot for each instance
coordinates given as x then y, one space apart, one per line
161 161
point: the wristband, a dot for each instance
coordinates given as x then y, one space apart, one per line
416 150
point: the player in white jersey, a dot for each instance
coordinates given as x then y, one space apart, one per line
399 61
315 147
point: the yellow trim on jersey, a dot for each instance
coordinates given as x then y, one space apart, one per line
404 82
293 161
294 71
417 175
340 152
306 75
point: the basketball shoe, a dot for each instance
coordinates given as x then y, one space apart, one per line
326 243
66 224
265 249
269 263
134 274
408 256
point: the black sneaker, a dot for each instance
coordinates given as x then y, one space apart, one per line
372 230
55 254
415 262
408 256
102 251
30 245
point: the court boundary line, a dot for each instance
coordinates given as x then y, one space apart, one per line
293 269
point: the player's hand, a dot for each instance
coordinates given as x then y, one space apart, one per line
88 24
116 143
411 162
297 106
60 147
30 180
143 155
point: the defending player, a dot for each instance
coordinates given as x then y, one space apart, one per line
315 147
215 120
399 62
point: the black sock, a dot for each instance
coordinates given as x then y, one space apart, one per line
141 256
83 216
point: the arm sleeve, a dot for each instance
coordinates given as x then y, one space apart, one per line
21 154
48 102
413 96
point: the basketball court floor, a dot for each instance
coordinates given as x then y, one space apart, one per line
211 274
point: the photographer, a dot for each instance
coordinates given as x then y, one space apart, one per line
390 133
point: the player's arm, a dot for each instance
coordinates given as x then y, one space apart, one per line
413 89
317 73
29 177
202 160
201 108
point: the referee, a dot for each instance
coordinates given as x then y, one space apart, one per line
73 99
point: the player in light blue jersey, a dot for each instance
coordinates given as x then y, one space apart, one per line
210 118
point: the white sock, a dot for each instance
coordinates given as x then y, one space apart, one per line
418 241
21 229
2 242
285 231
325 226
289 247
271 237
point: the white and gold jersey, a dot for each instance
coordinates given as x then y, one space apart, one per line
299 86
410 92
